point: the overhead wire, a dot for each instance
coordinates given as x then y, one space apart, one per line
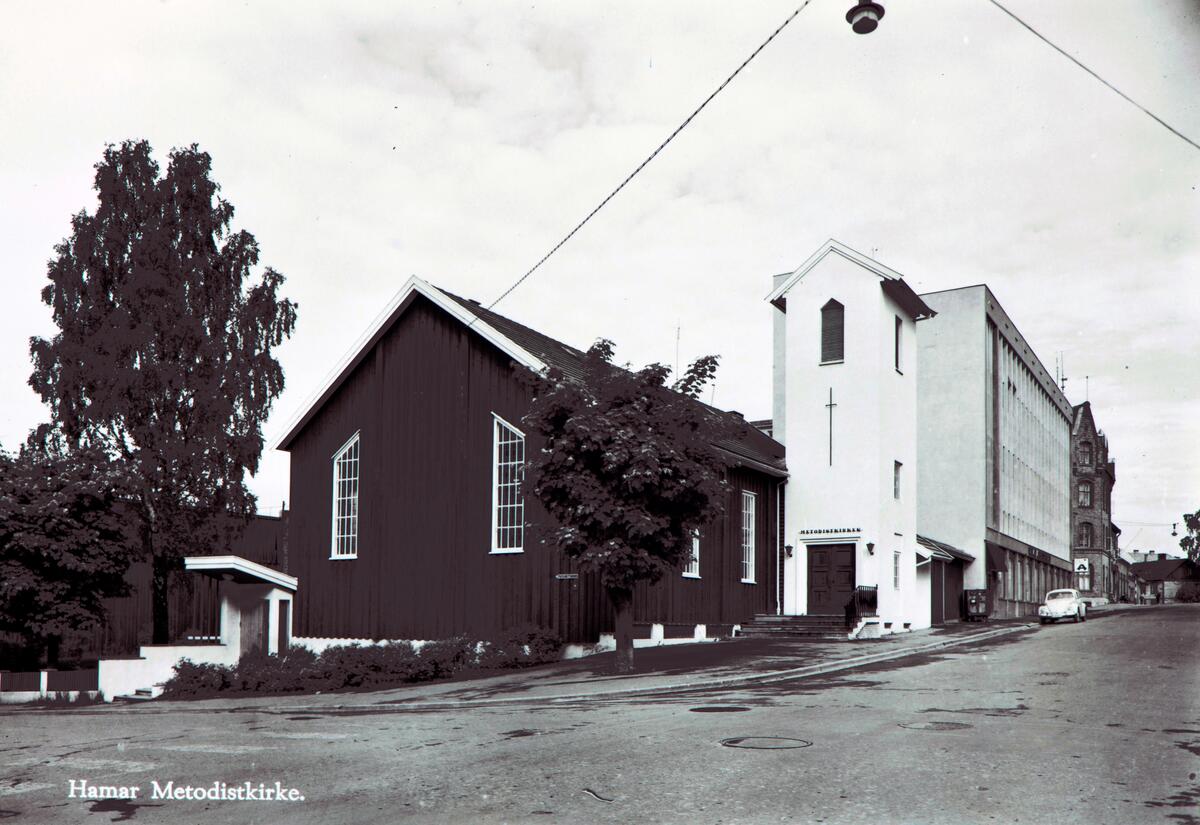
653 154
738 71
1078 63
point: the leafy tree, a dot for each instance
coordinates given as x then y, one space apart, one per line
163 358
65 542
1191 542
627 471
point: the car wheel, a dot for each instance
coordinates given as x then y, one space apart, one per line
1041 620
1083 615
1077 614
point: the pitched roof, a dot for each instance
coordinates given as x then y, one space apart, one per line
526 346
379 327
947 549
892 282
1159 570
750 447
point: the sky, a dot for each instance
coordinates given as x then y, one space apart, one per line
362 143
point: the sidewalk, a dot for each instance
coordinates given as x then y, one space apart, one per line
659 670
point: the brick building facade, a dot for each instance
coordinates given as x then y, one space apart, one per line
1094 537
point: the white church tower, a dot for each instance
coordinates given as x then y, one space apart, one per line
845 407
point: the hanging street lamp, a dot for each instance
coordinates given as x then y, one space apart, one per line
864 16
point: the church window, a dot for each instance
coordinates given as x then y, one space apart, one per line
1085 453
1085 494
748 520
833 343
508 502
345 501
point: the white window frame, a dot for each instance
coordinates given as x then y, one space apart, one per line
348 539
692 569
895 569
514 511
749 513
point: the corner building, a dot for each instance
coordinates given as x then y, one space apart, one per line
994 440
1094 475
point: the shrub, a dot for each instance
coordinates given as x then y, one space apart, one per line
192 679
293 670
448 656
1188 592
358 665
521 646
363 666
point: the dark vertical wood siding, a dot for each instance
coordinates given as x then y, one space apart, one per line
423 402
720 596
194 604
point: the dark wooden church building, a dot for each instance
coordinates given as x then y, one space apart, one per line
408 520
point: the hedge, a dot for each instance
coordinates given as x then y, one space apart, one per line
355 666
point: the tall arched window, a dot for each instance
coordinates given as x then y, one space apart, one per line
345 501
833 339
1085 494
508 500
1085 453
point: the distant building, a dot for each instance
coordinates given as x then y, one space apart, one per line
1094 536
1166 576
994 441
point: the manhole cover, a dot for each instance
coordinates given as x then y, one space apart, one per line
937 726
765 743
718 709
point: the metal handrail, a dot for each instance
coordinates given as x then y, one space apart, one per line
864 601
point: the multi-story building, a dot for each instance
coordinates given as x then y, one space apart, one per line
1094 550
994 440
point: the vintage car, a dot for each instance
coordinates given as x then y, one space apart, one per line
1062 604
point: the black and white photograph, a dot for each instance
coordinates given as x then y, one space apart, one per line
600 412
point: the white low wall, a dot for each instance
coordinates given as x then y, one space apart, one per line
121 677
16 697
319 645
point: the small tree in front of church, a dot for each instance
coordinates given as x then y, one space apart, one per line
627 470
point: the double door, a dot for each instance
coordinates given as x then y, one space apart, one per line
830 578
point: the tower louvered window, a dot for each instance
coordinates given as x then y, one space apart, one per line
508 503
833 344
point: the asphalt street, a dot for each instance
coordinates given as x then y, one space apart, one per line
1096 722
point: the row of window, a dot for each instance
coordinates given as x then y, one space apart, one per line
833 335
508 502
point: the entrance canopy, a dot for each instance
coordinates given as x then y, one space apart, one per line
242 571
944 552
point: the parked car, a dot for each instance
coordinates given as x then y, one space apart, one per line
1062 604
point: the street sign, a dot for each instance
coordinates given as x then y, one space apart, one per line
1082 565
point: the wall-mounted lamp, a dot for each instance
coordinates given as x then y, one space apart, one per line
864 16
787 548
1173 526
870 548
